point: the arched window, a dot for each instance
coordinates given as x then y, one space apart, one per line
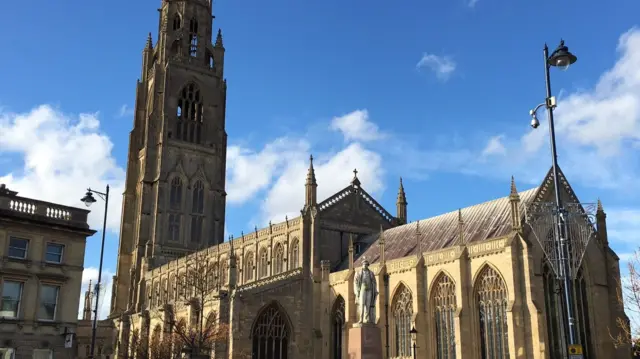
337 328
270 335
197 212
163 291
556 312
213 276
175 196
193 36
177 22
582 313
443 301
294 259
175 206
491 300
263 268
156 294
553 308
224 272
172 288
402 308
209 60
278 259
174 227
248 266
189 114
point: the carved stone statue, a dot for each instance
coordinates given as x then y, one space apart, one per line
365 288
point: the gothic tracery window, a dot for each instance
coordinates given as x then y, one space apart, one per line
402 309
556 312
197 211
278 259
248 267
175 195
189 114
337 328
491 300
294 259
224 272
177 22
213 275
263 268
175 205
443 301
270 335
193 35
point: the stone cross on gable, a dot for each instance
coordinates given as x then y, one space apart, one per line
355 172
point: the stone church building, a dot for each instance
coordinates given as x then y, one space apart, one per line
472 282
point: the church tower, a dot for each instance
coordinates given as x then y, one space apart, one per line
174 198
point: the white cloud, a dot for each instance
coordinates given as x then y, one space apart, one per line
623 226
494 147
333 173
249 172
356 126
442 66
104 301
472 3
125 111
61 156
597 130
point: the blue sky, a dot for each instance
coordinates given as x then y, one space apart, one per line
436 92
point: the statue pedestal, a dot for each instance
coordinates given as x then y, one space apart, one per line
365 342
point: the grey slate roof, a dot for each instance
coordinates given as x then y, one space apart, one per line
481 221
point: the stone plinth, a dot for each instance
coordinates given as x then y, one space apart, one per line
365 342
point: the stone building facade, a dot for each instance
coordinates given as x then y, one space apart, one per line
42 249
472 282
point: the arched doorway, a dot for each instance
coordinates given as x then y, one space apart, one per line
270 334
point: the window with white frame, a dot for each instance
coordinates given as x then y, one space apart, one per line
18 247
42 354
48 302
54 253
7 353
11 298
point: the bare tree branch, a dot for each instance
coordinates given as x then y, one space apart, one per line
628 293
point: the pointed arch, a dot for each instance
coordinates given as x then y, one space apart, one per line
248 265
401 318
443 308
263 264
193 37
177 21
438 274
337 328
189 114
491 300
555 310
197 210
224 271
278 258
271 333
294 253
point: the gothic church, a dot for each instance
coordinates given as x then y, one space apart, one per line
472 282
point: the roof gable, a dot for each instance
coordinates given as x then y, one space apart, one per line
354 201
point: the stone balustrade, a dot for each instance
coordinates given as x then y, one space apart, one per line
13 205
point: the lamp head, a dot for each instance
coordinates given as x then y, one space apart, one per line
534 119
414 333
88 199
562 58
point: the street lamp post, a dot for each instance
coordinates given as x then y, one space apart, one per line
414 339
88 200
562 59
